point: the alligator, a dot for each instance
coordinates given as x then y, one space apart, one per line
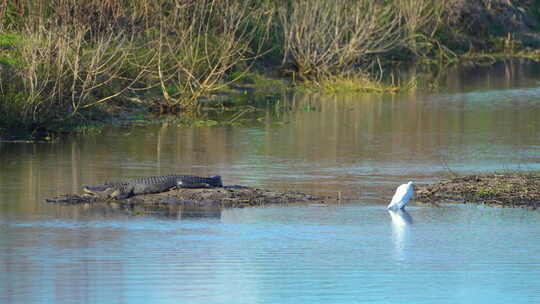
152 184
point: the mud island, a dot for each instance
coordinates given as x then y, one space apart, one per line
504 190
226 197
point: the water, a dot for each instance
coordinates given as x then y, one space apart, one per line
363 146
295 254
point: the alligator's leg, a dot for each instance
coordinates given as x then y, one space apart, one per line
119 195
122 193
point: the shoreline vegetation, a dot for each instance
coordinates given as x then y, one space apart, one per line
70 66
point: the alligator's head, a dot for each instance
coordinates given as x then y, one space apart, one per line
101 191
94 189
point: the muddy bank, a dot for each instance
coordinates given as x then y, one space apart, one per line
226 197
505 190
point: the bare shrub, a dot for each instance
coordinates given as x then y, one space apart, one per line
62 72
331 37
99 15
421 20
200 42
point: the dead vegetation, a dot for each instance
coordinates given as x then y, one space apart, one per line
506 190
325 38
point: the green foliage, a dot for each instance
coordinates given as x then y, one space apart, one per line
9 40
9 61
8 49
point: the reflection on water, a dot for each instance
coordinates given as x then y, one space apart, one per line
401 220
358 145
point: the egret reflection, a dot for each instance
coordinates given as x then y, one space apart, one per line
400 218
401 222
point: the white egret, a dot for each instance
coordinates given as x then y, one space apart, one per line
402 196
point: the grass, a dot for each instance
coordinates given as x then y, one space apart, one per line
259 81
8 43
353 84
8 40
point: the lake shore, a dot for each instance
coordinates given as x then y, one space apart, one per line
497 189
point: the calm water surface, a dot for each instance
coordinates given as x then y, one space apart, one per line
362 146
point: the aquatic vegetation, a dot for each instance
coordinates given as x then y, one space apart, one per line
353 84
258 83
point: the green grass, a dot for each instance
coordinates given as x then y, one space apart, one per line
8 49
353 84
9 40
259 80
